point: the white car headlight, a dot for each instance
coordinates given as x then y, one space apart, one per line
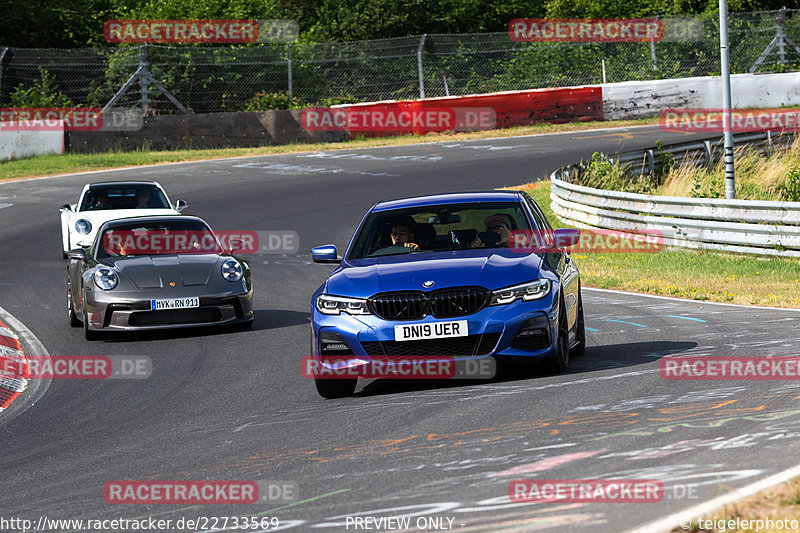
232 270
83 226
533 290
334 305
105 278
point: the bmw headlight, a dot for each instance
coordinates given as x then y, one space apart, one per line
105 278
533 290
232 270
333 305
83 226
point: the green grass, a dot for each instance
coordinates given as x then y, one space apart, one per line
69 163
716 277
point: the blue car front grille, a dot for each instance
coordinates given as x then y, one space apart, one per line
444 303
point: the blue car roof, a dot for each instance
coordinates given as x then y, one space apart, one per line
450 198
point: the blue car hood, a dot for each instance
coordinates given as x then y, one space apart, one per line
493 269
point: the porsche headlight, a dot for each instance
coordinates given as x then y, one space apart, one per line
83 226
105 278
334 305
533 290
232 270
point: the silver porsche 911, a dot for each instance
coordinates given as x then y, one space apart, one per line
155 273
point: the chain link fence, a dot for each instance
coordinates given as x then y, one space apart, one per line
235 78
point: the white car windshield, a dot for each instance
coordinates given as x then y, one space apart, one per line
124 197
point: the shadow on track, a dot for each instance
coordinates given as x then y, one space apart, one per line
265 319
612 356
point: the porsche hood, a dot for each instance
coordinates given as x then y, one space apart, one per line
155 271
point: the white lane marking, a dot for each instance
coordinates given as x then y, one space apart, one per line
703 302
288 169
672 521
369 157
225 159
37 387
552 446
5 205
489 147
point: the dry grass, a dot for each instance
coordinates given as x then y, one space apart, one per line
758 177
779 503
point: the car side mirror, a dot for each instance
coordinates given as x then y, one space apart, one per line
234 245
66 208
325 254
79 254
180 205
565 237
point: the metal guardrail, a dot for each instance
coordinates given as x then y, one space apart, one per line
743 226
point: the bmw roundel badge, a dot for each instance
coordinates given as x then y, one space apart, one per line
427 284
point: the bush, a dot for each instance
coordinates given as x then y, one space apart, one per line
790 188
43 93
264 101
600 173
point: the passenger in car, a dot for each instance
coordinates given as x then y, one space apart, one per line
142 198
498 224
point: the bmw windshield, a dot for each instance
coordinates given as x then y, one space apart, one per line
437 228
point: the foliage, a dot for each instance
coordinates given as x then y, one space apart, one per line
790 186
601 173
43 93
264 101
70 23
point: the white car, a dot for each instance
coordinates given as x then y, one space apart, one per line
101 202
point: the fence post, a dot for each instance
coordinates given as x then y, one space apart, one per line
653 50
782 36
419 65
2 55
144 79
289 66
651 162
709 154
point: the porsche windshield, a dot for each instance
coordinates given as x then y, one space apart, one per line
158 238
439 228
144 196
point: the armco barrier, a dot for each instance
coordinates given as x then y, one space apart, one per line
249 129
12 380
511 108
743 226
203 131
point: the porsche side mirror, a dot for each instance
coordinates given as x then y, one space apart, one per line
66 208
234 245
180 205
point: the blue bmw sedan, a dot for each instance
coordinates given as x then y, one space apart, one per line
441 276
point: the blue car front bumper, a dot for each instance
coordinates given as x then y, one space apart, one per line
518 329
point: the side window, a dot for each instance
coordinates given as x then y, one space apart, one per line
541 221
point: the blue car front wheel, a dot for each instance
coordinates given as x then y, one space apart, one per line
560 362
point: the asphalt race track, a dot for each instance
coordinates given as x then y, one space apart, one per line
232 405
